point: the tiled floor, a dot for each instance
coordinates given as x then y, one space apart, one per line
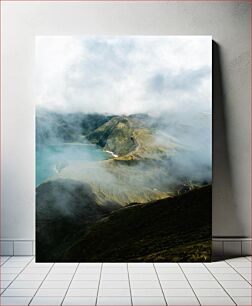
24 282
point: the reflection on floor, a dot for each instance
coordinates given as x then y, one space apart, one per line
24 282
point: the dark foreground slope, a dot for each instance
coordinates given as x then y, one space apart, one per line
172 229
65 209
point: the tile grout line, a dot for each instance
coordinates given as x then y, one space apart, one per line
16 276
41 283
9 257
131 299
246 258
70 283
160 284
220 284
1 266
189 284
239 272
96 300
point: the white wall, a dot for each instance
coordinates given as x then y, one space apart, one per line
227 22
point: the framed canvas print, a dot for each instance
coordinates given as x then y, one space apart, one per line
123 148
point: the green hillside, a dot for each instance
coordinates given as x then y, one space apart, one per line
172 229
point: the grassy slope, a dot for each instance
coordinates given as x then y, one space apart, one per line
115 135
173 229
128 137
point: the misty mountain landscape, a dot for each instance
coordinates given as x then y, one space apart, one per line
123 148
122 163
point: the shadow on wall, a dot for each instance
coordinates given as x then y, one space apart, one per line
225 206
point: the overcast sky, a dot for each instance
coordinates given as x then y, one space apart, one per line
124 75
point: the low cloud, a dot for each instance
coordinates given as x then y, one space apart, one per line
123 75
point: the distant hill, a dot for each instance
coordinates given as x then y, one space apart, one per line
115 135
172 229
52 127
132 138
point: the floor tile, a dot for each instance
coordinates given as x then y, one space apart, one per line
103 300
145 284
5 283
172 276
209 292
96 264
61 270
66 265
191 264
141 300
88 270
9 270
33 270
247 277
189 300
15 300
140 264
217 264
80 300
91 277
166 264
243 300
7 276
134 270
29 276
114 292
115 270
146 292
221 270
234 284
195 270
178 292
243 270
82 292
236 259
84 284
19 292
204 284
167 270
174 284
210 301
14 264
115 264
25 284
115 276
58 277
40 265
229 276
4 259
55 284
47 300
239 291
21 258
241 264
114 284
51 292
201 276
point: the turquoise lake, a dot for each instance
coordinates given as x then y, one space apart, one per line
50 159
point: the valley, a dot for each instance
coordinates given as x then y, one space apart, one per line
94 195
